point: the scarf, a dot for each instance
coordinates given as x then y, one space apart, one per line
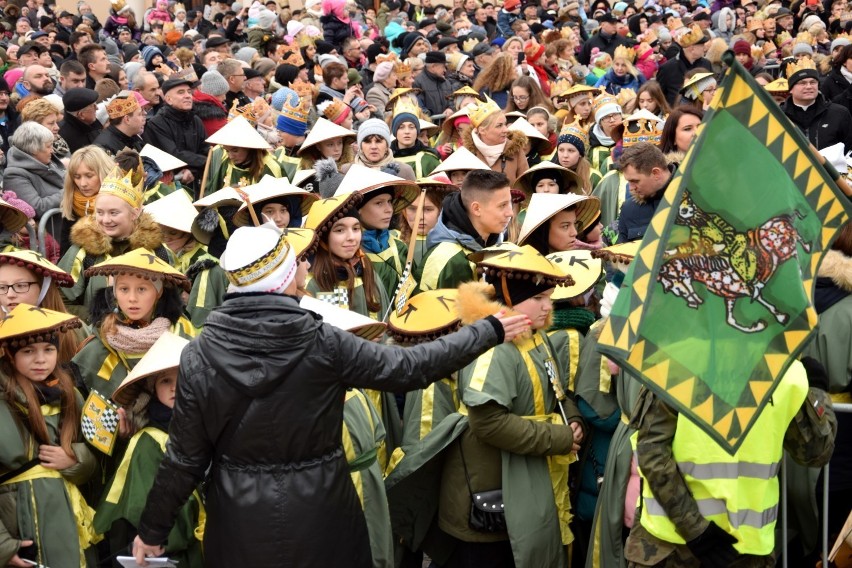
582 245
83 206
573 317
827 293
846 74
361 159
138 339
159 414
490 153
375 240
602 138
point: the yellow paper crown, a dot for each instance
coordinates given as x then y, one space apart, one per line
601 100
624 96
649 37
382 57
575 130
624 52
304 40
478 112
119 107
290 53
120 184
469 44
306 93
560 87
246 111
806 38
407 105
179 7
639 128
675 24
804 64
402 69
690 37
783 38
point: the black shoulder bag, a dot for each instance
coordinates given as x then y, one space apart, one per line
487 513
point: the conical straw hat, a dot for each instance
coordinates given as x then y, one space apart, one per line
27 324
239 133
31 260
166 162
583 268
162 356
462 159
175 211
363 180
570 180
325 130
543 206
347 320
269 188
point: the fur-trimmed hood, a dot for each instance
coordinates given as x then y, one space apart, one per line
515 143
838 267
476 300
87 235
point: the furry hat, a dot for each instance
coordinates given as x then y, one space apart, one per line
327 176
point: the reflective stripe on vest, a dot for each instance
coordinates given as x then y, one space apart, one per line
740 493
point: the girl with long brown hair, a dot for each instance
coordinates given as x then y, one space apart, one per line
43 454
526 94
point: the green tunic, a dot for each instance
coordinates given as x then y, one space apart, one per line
426 408
445 266
160 190
388 264
183 259
612 191
126 493
209 285
339 297
423 163
290 162
225 173
599 157
363 434
37 505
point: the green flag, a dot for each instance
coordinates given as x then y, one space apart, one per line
718 300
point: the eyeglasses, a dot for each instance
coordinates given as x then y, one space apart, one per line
612 117
18 287
521 98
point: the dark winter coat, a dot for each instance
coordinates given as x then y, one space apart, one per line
8 127
607 44
38 184
77 133
212 113
824 123
113 141
281 499
636 213
833 85
671 74
335 31
435 91
181 134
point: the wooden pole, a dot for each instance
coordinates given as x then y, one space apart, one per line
206 171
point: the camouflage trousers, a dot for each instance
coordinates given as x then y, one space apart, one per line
644 550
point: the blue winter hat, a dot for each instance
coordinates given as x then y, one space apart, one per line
404 117
278 99
148 53
293 118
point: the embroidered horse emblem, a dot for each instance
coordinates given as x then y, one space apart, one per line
731 264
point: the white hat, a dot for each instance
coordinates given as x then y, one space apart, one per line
426 125
544 206
523 125
225 196
269 188
302 176
364 180
174 211
258 259
461 159
240 133
347 320
570 180
163 355
324 130
166 162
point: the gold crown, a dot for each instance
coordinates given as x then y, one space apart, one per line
478 112
601 100
690 37
641 129
402 69
382 57
575 130
291 54
624 52
469 44
335 110
624 96
783 38
304 40
120 184
754 25
675 24
295 110
806 38
560 87
648 37
179 7
804 64
119 107
245 111
406 105
305 90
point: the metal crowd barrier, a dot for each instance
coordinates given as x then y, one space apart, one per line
839 407
42 231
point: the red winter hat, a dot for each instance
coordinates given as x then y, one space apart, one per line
742 47
510 5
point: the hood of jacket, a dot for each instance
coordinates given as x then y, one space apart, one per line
207 106
87 235
245 326
454 226
515 142
477 300
19 159
838 267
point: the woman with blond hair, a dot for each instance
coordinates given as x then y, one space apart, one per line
88 166
496 79
45 113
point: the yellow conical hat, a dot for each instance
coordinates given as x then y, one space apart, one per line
162 356
302 241
325 130
524 262
347 320
325 212
27 324
141 262
175 211
583 268
269 188
239 133
31 260
425 316
544 206
619 255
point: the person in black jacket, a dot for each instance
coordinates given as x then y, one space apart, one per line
605 40
179 132
691 56
126 123
263 365
645 169
9 119
79 125
435 89
823 122
839 78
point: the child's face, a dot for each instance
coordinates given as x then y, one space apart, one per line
36 361
165 387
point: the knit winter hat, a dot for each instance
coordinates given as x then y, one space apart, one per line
245 54
12 199
802 49
373 126
404 117
383 71
742 47
214 84
266 19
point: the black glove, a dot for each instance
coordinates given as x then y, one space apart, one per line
714 548
817 377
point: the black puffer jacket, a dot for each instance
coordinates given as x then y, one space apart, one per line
181 134
77 133
824 123
280 492
113 141
833 85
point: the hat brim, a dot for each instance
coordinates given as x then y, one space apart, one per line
325 212
242 217
404 193
569 178
583 268
35 262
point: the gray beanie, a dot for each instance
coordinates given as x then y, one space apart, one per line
373 126
664 35
266 19
802 49
214 84
246 54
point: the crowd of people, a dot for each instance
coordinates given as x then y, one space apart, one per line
323 285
